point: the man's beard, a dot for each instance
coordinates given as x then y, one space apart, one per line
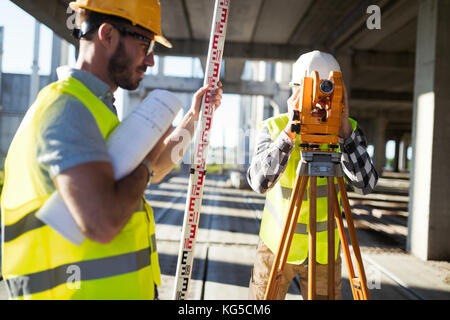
119 69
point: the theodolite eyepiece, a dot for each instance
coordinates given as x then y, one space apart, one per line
326 87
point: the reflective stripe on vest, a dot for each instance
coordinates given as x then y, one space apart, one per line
37 262
89 270
301 228
277 201
27 223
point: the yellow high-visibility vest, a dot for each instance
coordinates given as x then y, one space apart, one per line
277 203
38 263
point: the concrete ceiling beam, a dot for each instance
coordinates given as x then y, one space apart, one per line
394 16
181 84
176 21
278 21
371 95
370 113
234 68
52 13
382 60
287 53
249 51
352 24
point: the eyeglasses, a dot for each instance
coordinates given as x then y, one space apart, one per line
124 31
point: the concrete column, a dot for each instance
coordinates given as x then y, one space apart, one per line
34 82
203 63
64 52
380 143
56 57
395 164
269 75
402 156
161 65
405 142
246 133
429 211
283 75
257 102
60 53
255 107
234 68
344 57
368 126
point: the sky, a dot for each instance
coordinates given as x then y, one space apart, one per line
18 47
18 40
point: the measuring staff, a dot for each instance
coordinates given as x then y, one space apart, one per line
198 169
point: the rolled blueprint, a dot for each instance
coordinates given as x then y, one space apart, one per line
127 145
138 133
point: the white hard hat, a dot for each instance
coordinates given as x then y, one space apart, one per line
316 60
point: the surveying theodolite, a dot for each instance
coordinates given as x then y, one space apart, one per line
317 118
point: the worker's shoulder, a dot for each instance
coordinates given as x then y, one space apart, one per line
67 107
67 123
66 101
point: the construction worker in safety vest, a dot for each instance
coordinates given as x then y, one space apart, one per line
61 145
273 172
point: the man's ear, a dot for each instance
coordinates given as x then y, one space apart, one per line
107 36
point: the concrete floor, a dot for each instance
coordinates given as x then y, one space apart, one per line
228 235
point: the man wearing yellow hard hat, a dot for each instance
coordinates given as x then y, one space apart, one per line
61 145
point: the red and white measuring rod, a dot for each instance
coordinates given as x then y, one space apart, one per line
198 169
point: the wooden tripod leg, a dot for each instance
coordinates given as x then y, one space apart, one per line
331 241
295 204
312 239
345 247
353 238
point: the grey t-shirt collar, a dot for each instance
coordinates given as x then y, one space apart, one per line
99 88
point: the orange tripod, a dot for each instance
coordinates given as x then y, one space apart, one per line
320 164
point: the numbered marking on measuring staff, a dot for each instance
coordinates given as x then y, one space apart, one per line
198 173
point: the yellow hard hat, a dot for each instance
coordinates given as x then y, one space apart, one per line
145 13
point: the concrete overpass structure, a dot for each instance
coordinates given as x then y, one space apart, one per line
397 75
